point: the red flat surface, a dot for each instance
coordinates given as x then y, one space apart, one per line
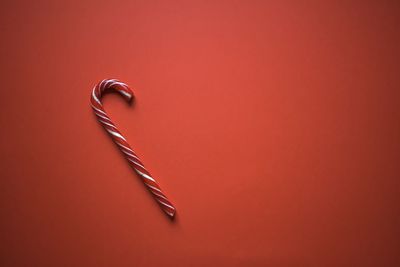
273 127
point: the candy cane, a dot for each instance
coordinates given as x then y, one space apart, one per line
121 142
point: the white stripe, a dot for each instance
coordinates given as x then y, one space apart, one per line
101 85
120 83
131 160
125 147
125 93
146 176
165 204
160 196
104 86
103 117
99 110
108 81
121 91
115 134
152 187
95 97
108 124
129 154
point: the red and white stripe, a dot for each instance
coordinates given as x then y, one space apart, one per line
130 155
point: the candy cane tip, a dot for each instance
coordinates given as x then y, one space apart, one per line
127 94
171 214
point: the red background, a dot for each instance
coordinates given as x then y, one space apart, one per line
273 127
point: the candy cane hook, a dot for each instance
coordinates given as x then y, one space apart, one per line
121 142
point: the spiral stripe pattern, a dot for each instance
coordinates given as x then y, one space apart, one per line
120 141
